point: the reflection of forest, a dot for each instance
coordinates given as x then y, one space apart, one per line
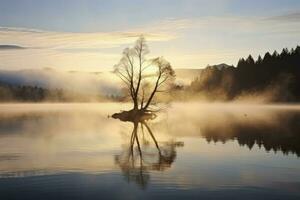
284 136
139 157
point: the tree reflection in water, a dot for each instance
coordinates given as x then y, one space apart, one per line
281 136
139 158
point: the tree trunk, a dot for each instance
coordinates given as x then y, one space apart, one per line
152 94
135 104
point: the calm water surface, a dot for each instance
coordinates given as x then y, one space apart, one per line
190 151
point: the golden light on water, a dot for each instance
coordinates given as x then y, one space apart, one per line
49 138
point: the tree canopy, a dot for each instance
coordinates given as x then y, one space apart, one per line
143 77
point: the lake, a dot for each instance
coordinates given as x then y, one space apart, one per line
190 151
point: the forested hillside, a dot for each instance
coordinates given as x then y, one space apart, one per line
275 74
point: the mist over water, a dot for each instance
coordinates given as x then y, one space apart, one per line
232 150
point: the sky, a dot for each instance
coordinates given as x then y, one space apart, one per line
89 35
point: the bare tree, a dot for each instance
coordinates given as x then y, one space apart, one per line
143 77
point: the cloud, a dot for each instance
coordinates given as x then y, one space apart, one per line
169 25
10 47
187 42
59 59
74 51
217 39
237 24
290 17
92 40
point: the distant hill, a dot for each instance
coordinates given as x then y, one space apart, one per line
186 76
220 66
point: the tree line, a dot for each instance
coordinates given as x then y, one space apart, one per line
277 72
25 93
